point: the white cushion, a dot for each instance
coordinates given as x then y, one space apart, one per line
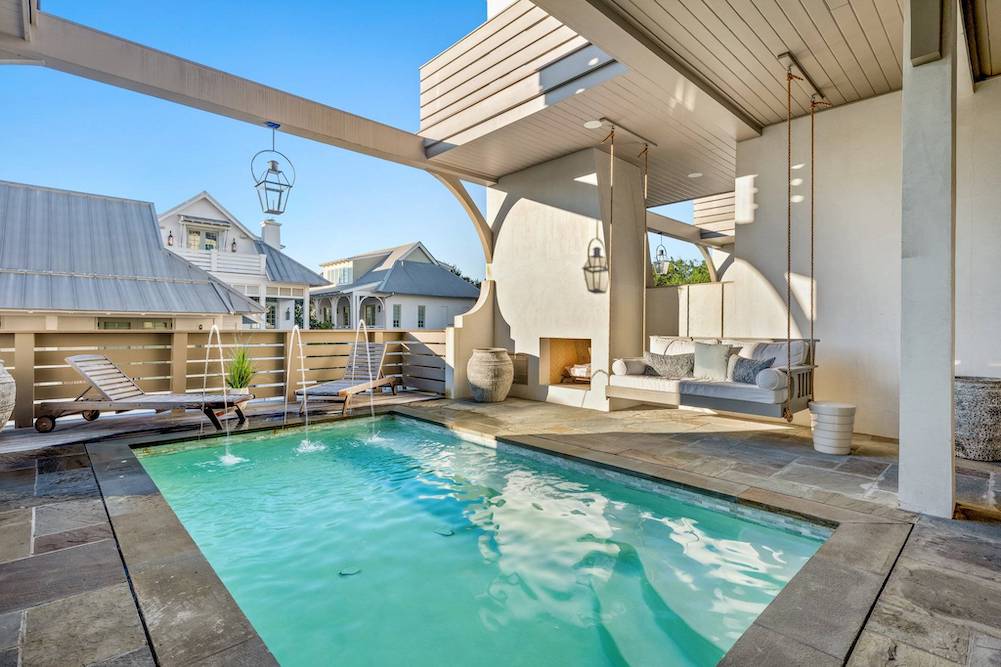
629 366
711 361
733 390
648 382
777 351
772 378
675 344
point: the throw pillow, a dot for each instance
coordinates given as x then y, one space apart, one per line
711 361
746 370
672 366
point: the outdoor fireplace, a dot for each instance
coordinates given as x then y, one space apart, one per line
565 361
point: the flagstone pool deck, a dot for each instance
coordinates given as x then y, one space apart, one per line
95 570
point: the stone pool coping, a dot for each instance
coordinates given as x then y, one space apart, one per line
191 617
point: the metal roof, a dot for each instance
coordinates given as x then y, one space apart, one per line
388 256
62 250
283 269
414 278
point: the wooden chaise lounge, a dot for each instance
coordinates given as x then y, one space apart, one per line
363 373
120 393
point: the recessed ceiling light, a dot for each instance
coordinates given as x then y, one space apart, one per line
593 124
695 174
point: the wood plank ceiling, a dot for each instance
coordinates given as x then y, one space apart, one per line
852 49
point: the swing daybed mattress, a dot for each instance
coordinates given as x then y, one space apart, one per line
736 391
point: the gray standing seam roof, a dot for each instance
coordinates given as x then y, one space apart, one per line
283 269
62 250
413 278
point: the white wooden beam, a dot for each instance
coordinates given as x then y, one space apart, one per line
83 51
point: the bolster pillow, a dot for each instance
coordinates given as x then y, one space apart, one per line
629 366
772 378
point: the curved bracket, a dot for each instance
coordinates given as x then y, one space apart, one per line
713 275
455 186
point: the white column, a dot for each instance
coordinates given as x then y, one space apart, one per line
928 231
305 309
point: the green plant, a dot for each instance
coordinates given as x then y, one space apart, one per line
240 371
683 272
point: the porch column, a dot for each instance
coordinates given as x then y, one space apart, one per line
928 234
305 310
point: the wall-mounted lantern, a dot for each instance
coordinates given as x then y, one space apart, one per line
170 238
274 176
232 246
596 267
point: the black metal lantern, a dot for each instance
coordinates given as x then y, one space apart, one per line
170 238
661 264
274 176
596 267
232 246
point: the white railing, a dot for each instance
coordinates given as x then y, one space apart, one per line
213 260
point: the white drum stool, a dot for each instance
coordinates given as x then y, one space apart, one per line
832 425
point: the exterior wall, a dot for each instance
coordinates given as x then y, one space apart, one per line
18 321
662 311
978 233
858 212
858 252
440 311
543 219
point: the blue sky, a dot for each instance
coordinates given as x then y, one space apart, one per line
73 133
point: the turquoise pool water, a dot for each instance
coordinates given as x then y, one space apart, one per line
391 542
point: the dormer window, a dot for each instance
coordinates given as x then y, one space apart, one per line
202 239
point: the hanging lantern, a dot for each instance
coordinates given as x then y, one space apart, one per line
661 264
274 176
596 267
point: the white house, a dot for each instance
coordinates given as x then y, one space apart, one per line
396 288
203 232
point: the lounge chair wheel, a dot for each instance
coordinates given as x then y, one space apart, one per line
90 415
45 424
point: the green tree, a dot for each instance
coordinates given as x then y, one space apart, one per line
683 272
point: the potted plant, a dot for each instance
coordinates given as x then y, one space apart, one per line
240 372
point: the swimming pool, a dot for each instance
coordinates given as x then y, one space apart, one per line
388 541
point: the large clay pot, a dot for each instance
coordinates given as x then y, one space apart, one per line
490 373
978 418
6 395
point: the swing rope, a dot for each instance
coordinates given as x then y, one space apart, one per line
815 103
787 410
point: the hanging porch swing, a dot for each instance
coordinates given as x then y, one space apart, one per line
789 388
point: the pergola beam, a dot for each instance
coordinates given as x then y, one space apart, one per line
76 49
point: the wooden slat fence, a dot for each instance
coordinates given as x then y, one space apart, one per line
166 361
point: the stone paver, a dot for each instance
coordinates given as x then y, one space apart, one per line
83 629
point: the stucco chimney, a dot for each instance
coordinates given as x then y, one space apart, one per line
271 233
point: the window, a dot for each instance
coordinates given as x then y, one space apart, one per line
396 315
421 312
272 313
119 323
370 314
202 239
342 275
